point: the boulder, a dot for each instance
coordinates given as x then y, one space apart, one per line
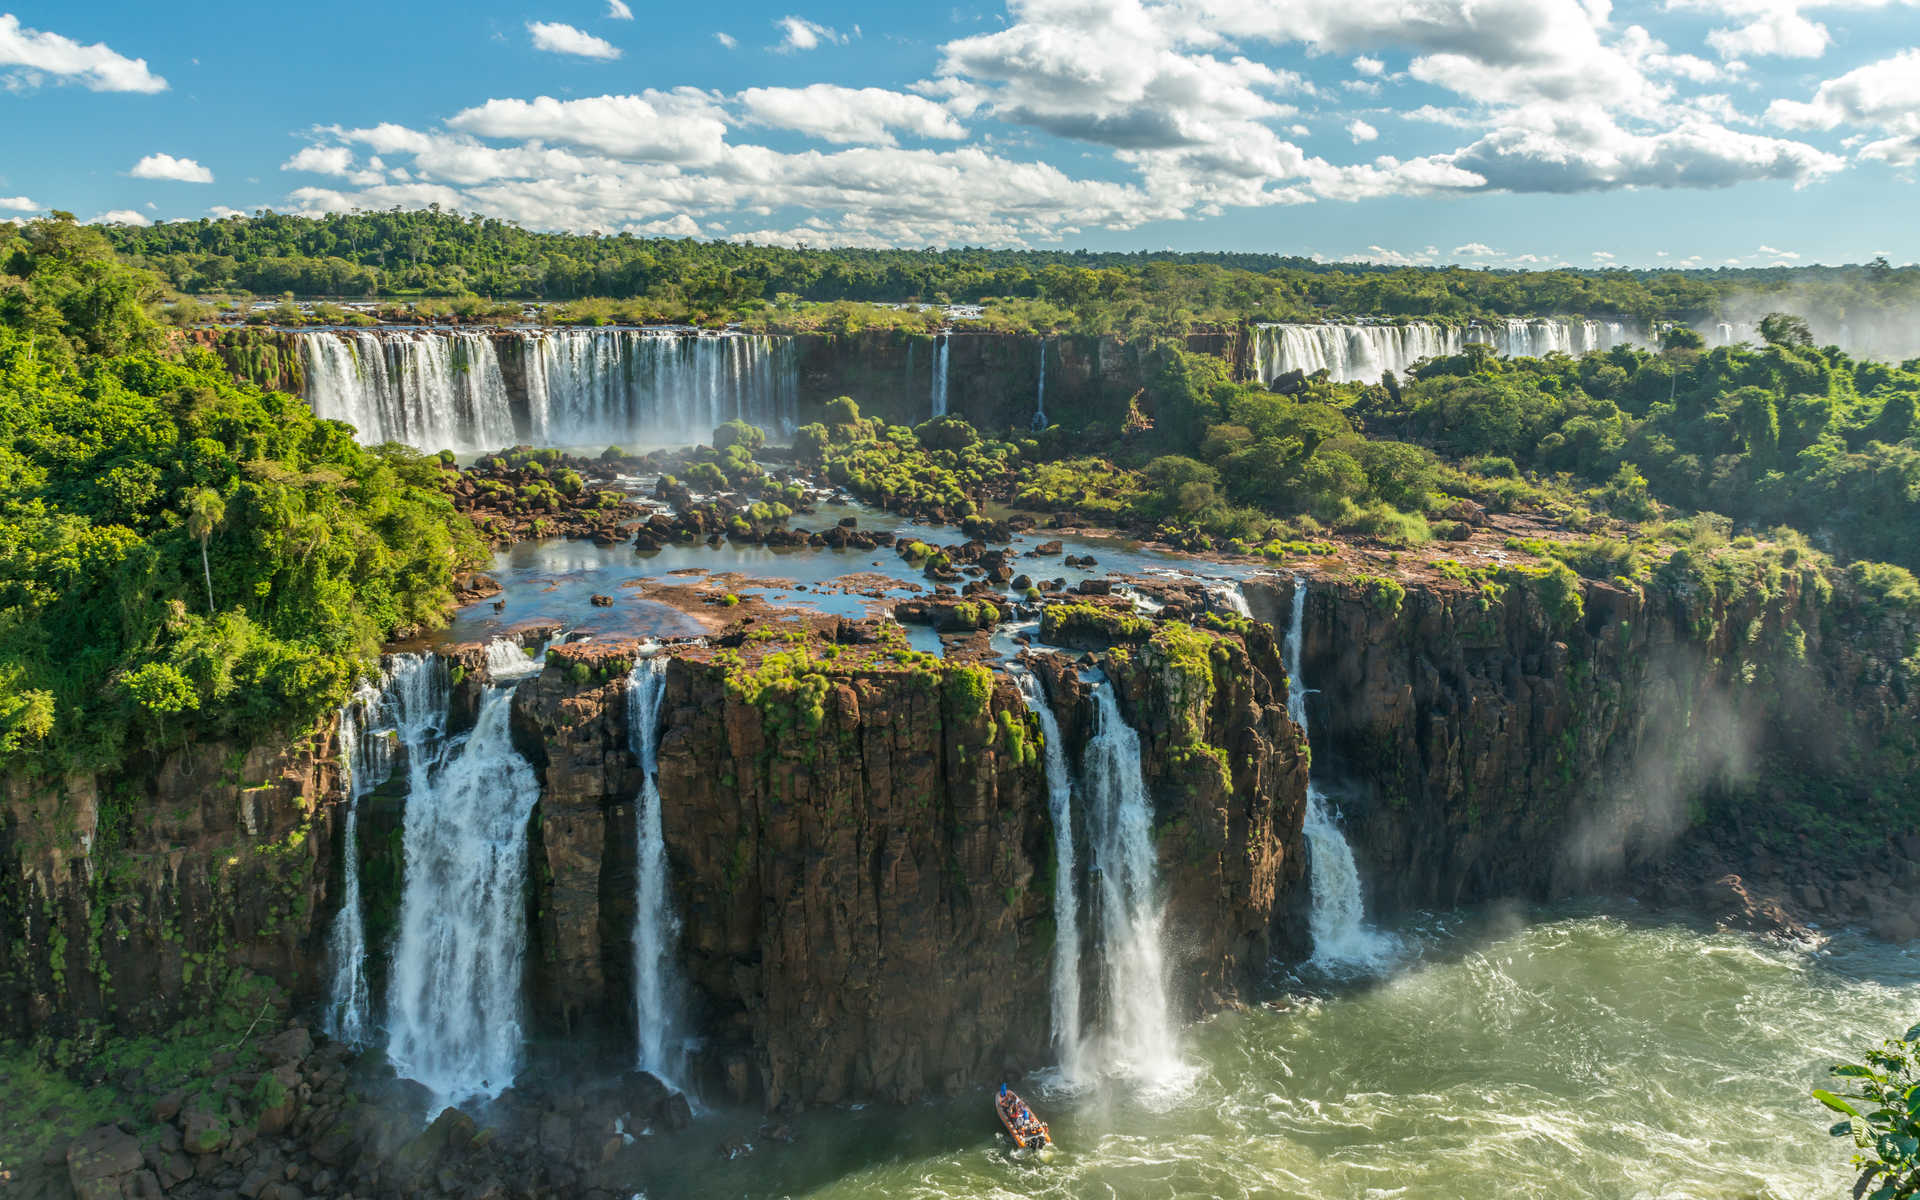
202 1132
101 1163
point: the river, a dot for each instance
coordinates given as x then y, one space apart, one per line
1553 1053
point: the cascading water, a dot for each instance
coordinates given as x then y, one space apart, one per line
1140 1038
1342 939
655 926
432 390
1040 397
453 998
586 387
447 389
940 375
403 711
1363 353
1066 905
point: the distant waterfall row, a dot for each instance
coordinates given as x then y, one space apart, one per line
467 390
454 1013
1363 353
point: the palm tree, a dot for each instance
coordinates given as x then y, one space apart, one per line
205 511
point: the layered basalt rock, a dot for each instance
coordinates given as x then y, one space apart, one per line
1481 745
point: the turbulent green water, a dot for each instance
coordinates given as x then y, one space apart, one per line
1553 1055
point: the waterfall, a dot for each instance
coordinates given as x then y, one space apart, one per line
432 390
1232 598
940 376
1066 907
655 927
599 386
439 389
1363 353
1141 1039
1040 397
508 660
453 1000
403 711
1342 939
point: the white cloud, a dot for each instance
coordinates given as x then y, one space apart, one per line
1885 94
798 33
1475 250
849 115
617 10
1360 131
1770 252
684 126
556 38
18 204
336 160
41 55
726 40
166 166
1369 66
1603 256
120 216
1774 28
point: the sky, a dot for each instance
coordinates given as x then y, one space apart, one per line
1505 133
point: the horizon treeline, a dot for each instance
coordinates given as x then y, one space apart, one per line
399 254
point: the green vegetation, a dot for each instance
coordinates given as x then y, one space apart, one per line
181 557
1881 1114
627 279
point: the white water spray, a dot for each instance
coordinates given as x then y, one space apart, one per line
1342 939
941 346
454 1003
656 928
1141 1039
1066 905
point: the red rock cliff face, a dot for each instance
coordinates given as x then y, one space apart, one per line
1480 748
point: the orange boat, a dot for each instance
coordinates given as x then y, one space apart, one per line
1028 1131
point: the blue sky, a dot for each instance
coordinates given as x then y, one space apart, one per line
1503 132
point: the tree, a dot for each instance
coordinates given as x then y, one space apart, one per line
205 513
1882 1115
1679 337
1785 330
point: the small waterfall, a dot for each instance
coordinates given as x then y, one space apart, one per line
1141 1039
1040 397
1232 598
940 375
402 711
1342 940
1066 905
508 660
454 1003
655 926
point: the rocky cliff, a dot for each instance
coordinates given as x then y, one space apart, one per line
862 858
1487 740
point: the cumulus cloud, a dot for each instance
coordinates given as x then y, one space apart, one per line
1774 28
1365 65
798 33
556 38
336 160
1360 131
726 40
166 166
38 56
1885 94
18 204
849 115
120 216
617 10
683 126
